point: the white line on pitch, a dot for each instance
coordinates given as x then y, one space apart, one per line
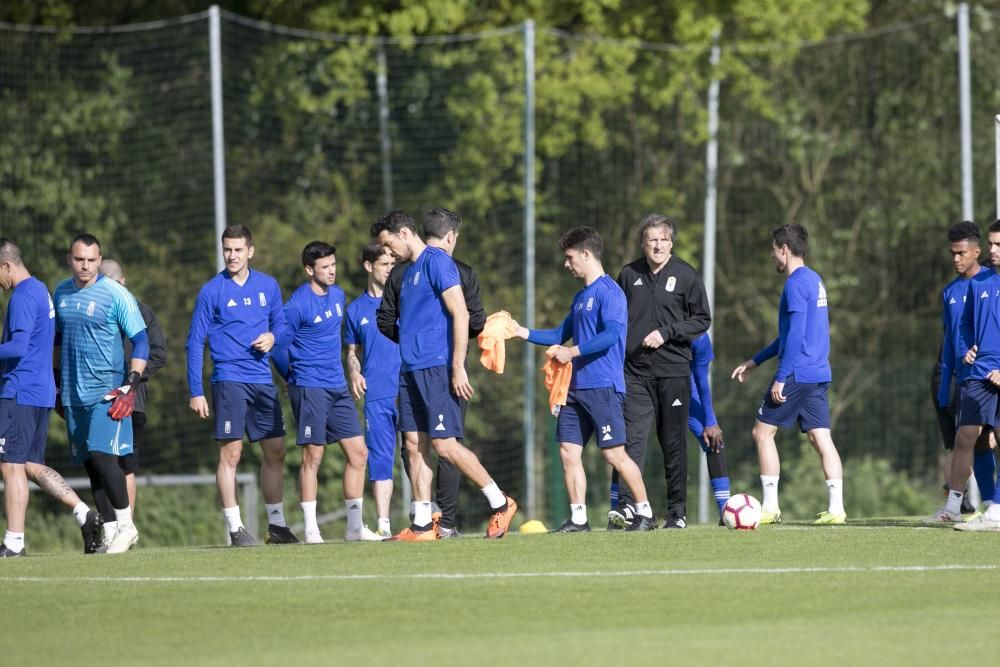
508 575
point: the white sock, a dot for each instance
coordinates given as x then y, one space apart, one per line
495 496
835 491
383 525
954 504
644 509
124 517
769 483
993 512
80 512
353 506
309 516
275 514
233 520
110 528
578 514
421 514
14 541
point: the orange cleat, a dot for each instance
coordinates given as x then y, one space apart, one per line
410 535
500 521
435 521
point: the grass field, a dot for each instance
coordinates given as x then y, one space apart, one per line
887 593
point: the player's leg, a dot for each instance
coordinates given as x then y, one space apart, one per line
312 457
130 463
671 400
230 403
416 455
575 479
448 486
51 482
380 436
342 425
15 496
984 466
106 440
639 410
978 408
814 419
770 470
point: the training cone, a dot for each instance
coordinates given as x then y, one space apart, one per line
533 527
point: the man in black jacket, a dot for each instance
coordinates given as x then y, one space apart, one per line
440 230
667 309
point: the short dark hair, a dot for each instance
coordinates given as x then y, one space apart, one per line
657 220
316 250
372 252
393 221
439 221
238 232
86 239
583 238
792 235
995 227
964 231
9 252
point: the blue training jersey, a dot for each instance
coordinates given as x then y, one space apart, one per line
231 316
380 363
701 413
953 299
424 322
90 322
29 329
981 324
597 304
311 343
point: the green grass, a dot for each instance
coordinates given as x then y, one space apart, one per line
830 595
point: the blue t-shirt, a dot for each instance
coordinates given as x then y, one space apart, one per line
803 343
90 322
380 364
310 348
26 346
424 322
953 298
597 304
981 324
701 411
231 316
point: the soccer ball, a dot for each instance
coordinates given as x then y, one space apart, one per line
741 512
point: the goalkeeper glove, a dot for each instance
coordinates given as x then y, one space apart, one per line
123 397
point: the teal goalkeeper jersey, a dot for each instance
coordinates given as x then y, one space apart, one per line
90 323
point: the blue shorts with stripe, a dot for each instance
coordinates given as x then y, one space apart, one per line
323 415
427 404
805 404
589 411
380 436
246 408
979 403
24 430
90 429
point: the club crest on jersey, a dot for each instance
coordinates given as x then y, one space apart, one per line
416 278
821 300
52 309
590 303
262 299
671 283
90 308
340 313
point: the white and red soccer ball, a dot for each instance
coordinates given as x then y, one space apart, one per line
741 512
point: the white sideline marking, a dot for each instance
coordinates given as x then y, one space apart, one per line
509 575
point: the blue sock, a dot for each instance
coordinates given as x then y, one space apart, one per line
614 495
984 467
720 489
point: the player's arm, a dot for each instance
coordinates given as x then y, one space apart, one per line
20 335
126 314
556 336
387 315
473 302
743 371
359 387
275 323
947 360
279 353
201 319
712 435
454 302
967 332
157 343
698 318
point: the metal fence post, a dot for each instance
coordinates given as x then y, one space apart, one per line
965 109
218 138
529 266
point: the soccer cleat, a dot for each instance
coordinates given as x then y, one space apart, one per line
570 527
980 524
642 524
830 519
125 538
92 531
410 535
448 533
500 521
770 517
972 517
7 552
384 532
612 527
622 517
280 535
672 523
241 538
313 537
943 516
363 535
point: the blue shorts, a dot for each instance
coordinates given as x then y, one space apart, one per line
380 435
592 410
323 415
427 404
24 430
979 403
242 407
90 429
805 404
